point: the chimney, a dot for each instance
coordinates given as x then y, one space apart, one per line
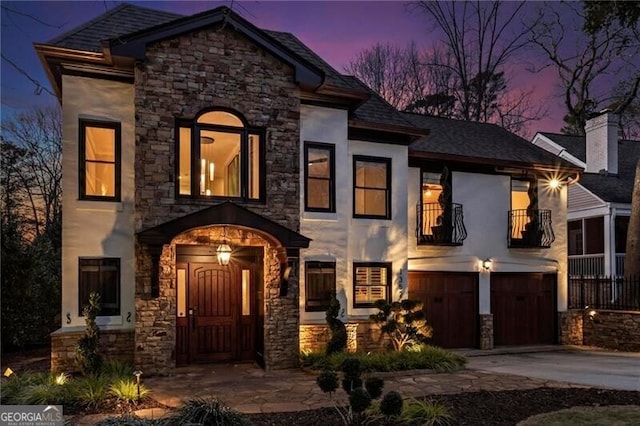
602 144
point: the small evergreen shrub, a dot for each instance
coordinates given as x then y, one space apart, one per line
88 360
374 386
391 404
349 384
359 400
206 411
327 381
338 341
127 390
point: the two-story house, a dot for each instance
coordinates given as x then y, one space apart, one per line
599 205
222 181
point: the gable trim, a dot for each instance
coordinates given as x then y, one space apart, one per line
562 151
135 45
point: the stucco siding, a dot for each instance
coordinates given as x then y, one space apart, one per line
95 228
338 237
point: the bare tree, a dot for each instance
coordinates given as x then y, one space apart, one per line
33 142
605 54
480 39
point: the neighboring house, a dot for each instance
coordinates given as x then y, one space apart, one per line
222 181
599 205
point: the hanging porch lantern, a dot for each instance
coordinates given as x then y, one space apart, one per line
224 254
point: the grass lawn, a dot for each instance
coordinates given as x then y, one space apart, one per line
579 416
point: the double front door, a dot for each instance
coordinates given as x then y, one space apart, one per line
216 313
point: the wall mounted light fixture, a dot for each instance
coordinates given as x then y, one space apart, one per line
486 264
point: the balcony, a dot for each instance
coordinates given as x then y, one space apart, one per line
530 229
436 225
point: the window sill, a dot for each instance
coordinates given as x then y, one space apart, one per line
106 206
185 201
320 216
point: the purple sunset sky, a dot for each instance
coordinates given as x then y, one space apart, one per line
337 31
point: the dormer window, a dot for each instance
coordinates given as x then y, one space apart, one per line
219 156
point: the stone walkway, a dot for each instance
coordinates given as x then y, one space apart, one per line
249 389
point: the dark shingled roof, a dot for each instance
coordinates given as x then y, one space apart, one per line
575 145
291 42
122 19
613 189
478 140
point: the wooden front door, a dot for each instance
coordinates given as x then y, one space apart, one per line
217 320
450 301
524 308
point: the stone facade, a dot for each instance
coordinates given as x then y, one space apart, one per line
114 345
361 336
156 318
570 331
214 67
612 329
486 331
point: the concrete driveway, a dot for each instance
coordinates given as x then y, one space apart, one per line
613 370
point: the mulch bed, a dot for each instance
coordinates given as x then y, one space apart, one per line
478 408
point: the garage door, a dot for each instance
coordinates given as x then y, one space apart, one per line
451 304
524 308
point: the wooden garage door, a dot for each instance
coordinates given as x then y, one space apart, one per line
451 304
524 308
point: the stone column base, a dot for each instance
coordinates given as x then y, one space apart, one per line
570 327
486 331
114 345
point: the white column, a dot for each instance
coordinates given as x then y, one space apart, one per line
608 245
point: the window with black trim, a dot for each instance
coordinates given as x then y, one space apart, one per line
371 282
100 162
102 276
219 156
319 177
320 285
371 187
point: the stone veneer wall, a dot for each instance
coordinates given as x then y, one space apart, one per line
612 329
570 330
486 331
361 336
215 67
114 345
156 321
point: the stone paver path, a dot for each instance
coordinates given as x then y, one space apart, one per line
248 389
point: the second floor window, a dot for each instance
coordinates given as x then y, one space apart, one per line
99 149
372 187
220 156
319 175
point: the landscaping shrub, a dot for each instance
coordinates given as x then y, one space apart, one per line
36 389
116 369
428 413
338 341
90 391
374 386
391 404
418 357
327 381
127 390
359 400
206 411
88 360
404 322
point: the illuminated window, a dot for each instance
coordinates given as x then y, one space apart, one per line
370 283
99 149
320 284
218 156
372 187
102 276
319 175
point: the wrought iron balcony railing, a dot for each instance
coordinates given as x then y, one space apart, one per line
530 229
438 224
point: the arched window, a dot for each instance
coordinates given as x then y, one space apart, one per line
219 156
